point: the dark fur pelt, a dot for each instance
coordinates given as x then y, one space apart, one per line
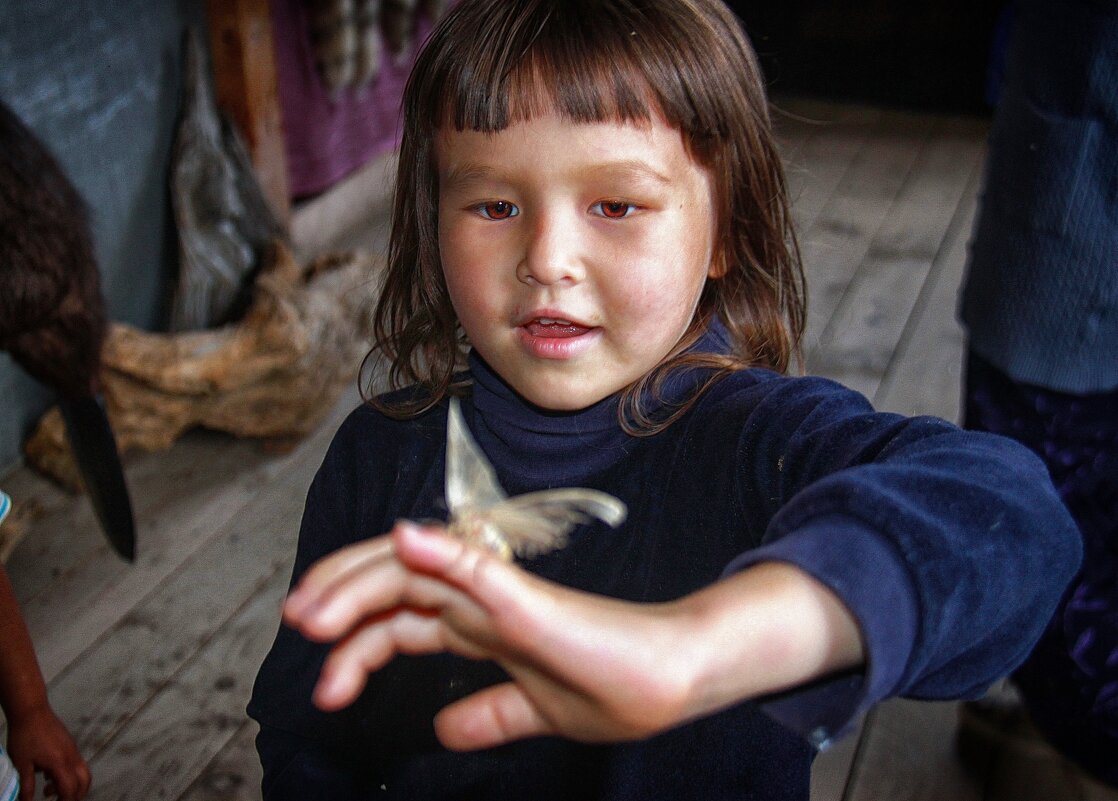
52 315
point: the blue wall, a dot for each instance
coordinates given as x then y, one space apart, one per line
99 81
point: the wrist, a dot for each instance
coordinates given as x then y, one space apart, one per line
26 706
766 629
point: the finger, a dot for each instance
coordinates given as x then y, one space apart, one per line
497 586
85 779
488 718
374 644
62 785
372 592
326 572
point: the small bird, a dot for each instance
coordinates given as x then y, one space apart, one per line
526 525
52 314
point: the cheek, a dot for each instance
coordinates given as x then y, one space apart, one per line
463 295
653 311
662 280
459 271
473 302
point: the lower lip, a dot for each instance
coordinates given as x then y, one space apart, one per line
557 342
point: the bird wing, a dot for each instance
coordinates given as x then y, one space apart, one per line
470 478
538 522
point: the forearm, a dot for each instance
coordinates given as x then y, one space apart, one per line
765 629
22 690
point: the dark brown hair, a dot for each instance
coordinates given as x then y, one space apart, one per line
492 63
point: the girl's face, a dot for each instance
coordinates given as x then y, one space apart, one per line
574 253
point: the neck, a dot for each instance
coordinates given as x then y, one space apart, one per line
538 447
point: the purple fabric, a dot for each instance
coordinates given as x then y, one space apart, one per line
1070 682
329 137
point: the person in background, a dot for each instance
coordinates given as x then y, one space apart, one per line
37 740
1040 306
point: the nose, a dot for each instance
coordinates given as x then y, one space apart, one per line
552 252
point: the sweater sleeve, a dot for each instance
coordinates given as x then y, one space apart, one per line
950 548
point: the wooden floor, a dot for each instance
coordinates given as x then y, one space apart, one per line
151 664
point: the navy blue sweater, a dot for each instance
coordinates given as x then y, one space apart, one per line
950 548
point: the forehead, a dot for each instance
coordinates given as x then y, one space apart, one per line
650 151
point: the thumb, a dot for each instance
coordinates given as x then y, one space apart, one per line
491 717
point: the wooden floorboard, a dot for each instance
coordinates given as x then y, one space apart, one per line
178 512
196 712
234 774
837 242
151 664
925 373
908 752
857 344
830 137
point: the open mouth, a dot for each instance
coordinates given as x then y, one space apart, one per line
552 327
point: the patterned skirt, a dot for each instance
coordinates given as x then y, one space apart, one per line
1070 681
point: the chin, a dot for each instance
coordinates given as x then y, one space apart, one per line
560 398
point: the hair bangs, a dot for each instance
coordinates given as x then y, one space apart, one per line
602 63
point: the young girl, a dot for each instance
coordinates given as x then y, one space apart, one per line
591 220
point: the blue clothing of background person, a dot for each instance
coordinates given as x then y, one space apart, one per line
1040 305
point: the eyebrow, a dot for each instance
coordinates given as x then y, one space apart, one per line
624 169
632 169
466 174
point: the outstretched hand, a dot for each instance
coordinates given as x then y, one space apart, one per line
573 658
582 666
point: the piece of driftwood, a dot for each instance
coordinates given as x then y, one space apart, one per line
222 216
273 375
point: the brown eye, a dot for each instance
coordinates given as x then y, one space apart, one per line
498 210
615 209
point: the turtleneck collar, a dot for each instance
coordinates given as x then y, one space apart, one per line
536 448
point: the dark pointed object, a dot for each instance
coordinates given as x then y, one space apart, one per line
52 315
91 439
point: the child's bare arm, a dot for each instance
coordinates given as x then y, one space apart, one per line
37 739
583 666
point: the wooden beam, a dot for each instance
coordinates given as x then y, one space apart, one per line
245 83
